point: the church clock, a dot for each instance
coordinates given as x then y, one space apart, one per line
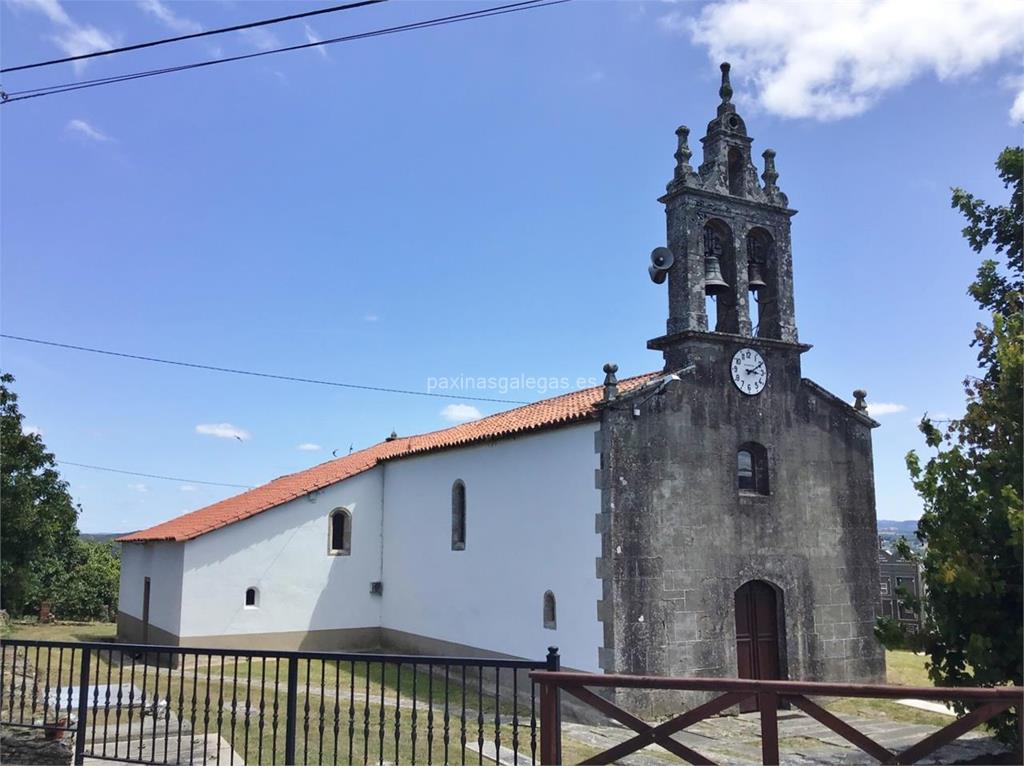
748 371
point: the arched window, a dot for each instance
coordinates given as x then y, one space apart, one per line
550 617
340 543
752 468
458 515
761 264
252 598
735 172
719 267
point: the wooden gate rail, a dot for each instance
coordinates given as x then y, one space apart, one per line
768 694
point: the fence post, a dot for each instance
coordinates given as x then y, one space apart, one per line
551 713
289 710
768 705
83 707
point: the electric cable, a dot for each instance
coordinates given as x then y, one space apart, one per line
153 475
252 373
193 35
21 95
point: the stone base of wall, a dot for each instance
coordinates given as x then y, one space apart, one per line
130 631
29 746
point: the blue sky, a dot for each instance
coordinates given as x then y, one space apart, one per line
478 199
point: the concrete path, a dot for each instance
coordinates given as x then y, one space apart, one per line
166 745
802 741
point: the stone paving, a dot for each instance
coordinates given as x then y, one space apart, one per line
802 740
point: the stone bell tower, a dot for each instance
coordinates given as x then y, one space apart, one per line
738 506
729 237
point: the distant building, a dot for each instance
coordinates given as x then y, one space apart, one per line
896 574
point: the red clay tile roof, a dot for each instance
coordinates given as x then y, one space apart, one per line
561 410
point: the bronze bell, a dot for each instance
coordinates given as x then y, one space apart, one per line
713 282
754 280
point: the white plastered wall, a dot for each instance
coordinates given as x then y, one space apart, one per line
161 562
530 527
283 552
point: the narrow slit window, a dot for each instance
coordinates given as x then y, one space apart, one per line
550 616
458 515
340 532
251 597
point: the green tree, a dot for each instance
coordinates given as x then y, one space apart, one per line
973 523
38 520
86 587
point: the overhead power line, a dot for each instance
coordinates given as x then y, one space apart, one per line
154 476
233 371
194 35
526 5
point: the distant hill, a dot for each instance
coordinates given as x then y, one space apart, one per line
904 527
100 537
890 531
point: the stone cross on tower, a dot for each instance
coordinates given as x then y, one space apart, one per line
729 235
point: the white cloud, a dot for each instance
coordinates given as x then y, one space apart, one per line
74 39
84 129
81 40
188 487
836 59
1016 83
169 18
51 8
31 430
139 487
261 39
371 318
309 447
312 37
876 409
223 431
460 413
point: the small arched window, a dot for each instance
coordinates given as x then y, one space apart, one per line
252 598
458 515
340 531
752 468
550 616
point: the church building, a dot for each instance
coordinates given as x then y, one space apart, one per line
715 517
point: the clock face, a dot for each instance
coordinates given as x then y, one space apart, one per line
749 372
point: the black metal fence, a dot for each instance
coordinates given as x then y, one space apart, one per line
158 704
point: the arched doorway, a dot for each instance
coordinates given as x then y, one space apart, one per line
757 634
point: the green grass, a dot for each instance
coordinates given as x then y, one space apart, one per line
906 669
902 669
61 631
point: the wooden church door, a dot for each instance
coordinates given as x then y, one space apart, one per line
757 634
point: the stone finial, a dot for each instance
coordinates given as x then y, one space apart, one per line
726 90
684 174
611 383
770 175
683 152
858 400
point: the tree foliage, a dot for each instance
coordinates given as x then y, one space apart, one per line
973 522
38 523
86 588
42 557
